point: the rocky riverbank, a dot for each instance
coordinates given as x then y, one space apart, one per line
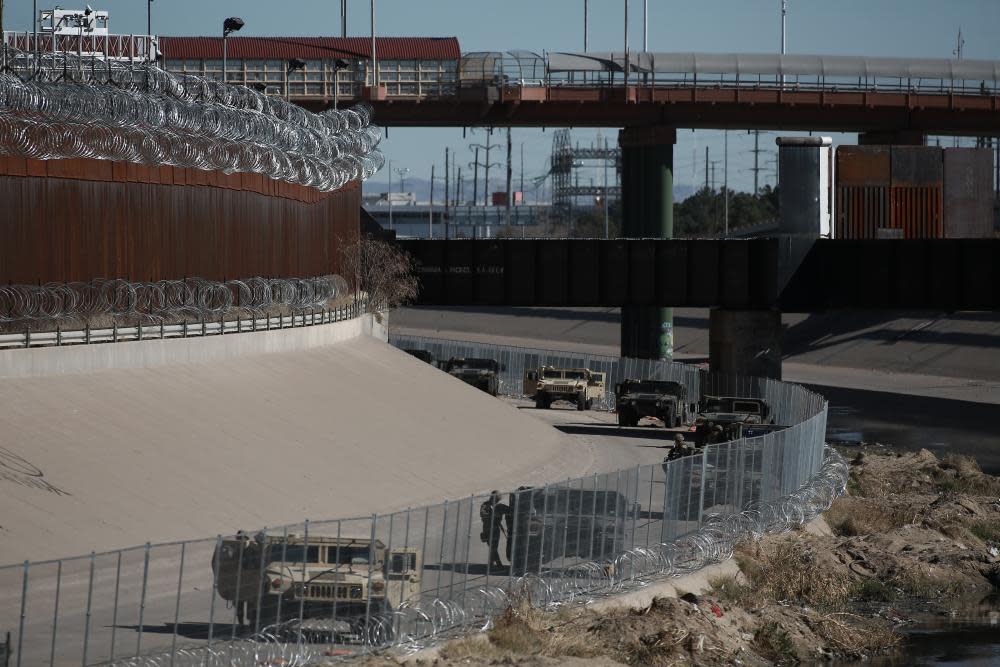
915 536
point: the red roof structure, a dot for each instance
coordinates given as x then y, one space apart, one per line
311 48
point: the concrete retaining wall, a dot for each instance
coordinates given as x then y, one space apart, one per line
73 359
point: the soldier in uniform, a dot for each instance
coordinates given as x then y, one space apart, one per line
492 513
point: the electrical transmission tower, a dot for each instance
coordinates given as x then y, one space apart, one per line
567 159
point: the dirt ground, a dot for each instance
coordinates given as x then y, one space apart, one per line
915 535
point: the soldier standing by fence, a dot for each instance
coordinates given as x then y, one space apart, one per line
492 513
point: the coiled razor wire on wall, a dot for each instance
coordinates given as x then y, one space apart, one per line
142 114
165 299
416 625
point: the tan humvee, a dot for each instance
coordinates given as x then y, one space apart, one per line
328 575
580 386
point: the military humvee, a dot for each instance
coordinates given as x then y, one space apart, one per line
665 400
545 524
480 373
580 386
330 576
721 411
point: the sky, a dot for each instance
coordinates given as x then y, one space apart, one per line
899 28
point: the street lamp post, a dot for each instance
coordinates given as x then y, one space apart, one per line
338 65
232 24
294 64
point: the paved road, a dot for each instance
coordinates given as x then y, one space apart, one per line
914 380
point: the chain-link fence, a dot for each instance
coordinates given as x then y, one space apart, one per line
305 592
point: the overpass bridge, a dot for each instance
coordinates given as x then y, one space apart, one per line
698 90
747 282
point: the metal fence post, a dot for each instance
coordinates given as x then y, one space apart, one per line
55 614
114 613
649 506
593 521
423 543
239 591
454 549
215 588
305 557
24 603
142 599
545 517
86 622
260 579
284 552
515 528
336 559
468 546
565 527
406 544
177 602
632 509
444 534
368 587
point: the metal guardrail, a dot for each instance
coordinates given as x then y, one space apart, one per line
576 539
116 334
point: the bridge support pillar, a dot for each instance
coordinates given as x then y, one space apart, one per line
745 342
647 164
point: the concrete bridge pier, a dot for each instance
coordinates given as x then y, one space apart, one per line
647 164
745 342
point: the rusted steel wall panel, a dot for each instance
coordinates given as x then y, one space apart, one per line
67 229
863 175
889 191
968 193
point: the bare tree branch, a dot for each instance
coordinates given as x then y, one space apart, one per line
382 271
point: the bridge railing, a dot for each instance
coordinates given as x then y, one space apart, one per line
426 572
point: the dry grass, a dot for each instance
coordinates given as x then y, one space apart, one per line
727 588
855 635
791 570
773 642
987 530
849 516
961 474
521 631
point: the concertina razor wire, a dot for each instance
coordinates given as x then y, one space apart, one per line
767 484
414 626
165 299
61 106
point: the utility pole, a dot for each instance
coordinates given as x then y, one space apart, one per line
586 18
521 187
343 18
714 162
606 226
374 60
459 188
784 13
389 194
706 167
509 174
430 209
645 24
756 163
625 70
446 192
475 179
725 186
959 47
